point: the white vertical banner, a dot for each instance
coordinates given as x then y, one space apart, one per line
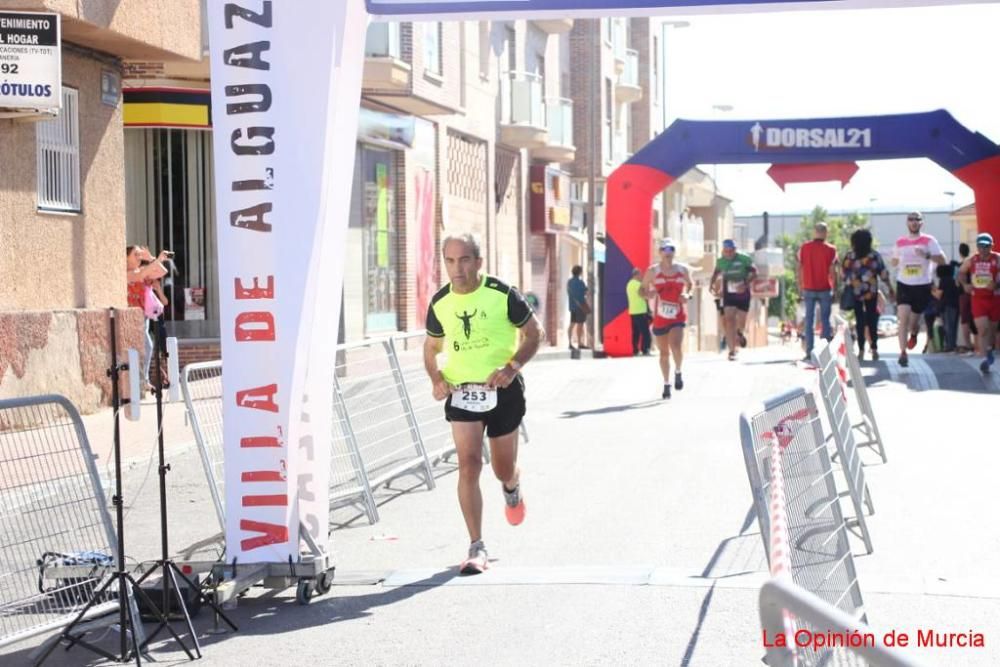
275 85
327 269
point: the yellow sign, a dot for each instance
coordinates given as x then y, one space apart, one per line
559 216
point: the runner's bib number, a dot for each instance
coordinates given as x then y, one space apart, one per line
474 398
736 287
981 280
668 311
913 270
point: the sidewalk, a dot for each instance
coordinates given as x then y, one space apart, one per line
640 546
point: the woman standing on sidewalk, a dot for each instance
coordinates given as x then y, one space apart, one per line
861 270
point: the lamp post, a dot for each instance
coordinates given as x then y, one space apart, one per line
951 221
663 62
718 110
594 107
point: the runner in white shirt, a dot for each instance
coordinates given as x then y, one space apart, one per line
912 257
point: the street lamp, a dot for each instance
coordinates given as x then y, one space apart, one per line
951 220
663 62
719 109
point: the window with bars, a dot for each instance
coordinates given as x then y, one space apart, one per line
59 157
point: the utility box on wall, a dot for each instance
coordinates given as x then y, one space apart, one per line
550 204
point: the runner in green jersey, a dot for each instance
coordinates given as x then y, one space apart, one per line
475 320
731 278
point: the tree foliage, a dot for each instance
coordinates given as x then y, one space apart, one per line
839 234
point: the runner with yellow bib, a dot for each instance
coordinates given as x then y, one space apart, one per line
912 257
475 320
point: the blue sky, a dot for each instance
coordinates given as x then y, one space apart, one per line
840 63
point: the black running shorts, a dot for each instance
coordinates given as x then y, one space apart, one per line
503 419
738 301
915 296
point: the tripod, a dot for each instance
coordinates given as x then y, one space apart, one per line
130 630
168 569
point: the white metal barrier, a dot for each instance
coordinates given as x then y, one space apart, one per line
201 384
370 387
867 426
786 607
56 536
831 391
386 422
434 429
814 531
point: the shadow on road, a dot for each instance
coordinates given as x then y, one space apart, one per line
710 566
573 414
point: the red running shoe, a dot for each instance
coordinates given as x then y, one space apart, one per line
514 508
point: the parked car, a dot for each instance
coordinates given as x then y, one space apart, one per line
888 325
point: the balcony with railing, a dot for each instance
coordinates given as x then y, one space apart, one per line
628 89
620 148
522 111
384 66
559 145
619 42
554 26
693 245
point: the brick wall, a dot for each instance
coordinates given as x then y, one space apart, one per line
198 350
642 126
581 48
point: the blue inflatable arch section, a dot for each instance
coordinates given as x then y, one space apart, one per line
936 135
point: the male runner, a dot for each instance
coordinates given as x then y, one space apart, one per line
912 258
731 278
475 319
980 275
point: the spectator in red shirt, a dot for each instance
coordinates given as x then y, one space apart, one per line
817 277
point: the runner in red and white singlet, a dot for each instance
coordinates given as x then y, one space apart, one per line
980 275
668 284
912 256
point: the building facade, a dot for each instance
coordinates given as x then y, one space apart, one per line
494 128
62 210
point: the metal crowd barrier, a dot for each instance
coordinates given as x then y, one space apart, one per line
201 385
781 600
429 414
835 403
867 427
370 388
386 423
818 548
56 536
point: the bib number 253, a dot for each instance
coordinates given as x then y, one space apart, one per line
474 398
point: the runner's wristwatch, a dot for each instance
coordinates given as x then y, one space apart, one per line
516 365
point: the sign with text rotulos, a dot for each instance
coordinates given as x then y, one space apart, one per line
30 62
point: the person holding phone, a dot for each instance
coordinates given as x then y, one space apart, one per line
143 273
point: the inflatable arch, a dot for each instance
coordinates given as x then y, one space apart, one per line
970 156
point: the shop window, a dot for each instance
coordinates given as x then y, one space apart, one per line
379 239
59 157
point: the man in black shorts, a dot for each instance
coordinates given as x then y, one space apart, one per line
731 281
476 320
